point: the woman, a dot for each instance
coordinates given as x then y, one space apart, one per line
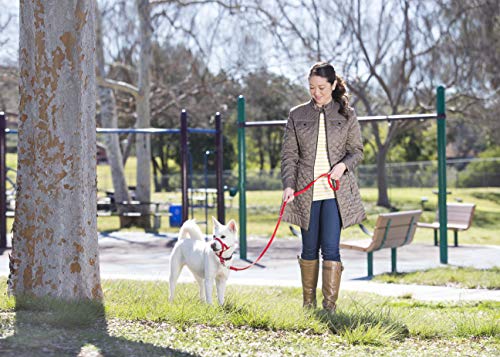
322 135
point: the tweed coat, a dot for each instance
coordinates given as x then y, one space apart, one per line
298 154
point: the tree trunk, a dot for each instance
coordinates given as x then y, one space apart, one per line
54 247
383 198
143 146
109 119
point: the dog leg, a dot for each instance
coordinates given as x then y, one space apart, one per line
175 271
202 287
220 283
209 285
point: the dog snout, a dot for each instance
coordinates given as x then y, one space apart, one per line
213 246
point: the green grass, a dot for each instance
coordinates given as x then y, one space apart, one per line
447 276
136 318
263 208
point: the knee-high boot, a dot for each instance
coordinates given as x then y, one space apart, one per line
332 271
309 270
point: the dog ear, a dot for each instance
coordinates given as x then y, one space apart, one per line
216 224
232 226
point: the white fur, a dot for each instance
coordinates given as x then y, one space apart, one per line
200 258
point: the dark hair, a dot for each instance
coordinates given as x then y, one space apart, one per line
339 94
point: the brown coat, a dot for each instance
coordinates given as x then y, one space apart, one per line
343 136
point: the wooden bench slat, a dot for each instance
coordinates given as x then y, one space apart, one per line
361 244
397 218
397 233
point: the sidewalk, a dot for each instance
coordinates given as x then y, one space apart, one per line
145 256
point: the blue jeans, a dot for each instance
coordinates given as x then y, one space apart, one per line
324 232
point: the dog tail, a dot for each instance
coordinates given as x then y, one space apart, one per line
192 230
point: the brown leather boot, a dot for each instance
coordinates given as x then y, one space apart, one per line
332 271
309 270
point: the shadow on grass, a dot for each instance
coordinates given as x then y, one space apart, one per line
52 327
363 325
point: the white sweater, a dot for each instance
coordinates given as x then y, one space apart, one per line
321 189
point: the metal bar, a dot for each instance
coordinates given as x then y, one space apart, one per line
137 131
408 234
219 162
370 263
435 237
153 131
201 131
387 227
441 138
393 260
455 237
184 164
3 174
242 177
361 119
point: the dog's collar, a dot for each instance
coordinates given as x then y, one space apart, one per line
225 248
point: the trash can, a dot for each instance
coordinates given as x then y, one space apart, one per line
175 215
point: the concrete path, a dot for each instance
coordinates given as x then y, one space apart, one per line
145 256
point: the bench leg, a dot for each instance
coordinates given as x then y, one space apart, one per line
455 237
435 237
393 260
370 264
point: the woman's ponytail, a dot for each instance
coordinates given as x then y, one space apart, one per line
339 95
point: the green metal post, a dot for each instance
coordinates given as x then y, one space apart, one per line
441 137
369 259
242 177
393 260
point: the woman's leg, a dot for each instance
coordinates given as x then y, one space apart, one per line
330 241
329 230
309 262
310 237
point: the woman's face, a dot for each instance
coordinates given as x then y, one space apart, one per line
321 90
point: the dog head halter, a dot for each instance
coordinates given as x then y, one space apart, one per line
225 248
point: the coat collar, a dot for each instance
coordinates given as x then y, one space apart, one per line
331 108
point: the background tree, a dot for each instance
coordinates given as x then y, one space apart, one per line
54 246
109 119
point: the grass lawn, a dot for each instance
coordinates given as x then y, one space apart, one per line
263 208
136 319
459 277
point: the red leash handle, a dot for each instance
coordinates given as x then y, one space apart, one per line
334 187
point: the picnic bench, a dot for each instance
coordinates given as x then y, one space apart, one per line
132 209
459 219
392 230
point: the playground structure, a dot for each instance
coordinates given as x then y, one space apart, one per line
184 132
440 116
242 124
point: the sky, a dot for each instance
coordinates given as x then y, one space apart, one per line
8 51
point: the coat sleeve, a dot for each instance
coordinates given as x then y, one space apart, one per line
289 155
354 144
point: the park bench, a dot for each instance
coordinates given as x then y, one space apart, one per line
392 230
132 210
459 219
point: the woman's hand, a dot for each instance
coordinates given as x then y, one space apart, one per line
337 171
288 194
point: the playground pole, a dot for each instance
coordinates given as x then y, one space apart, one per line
184 168
441 137
3 171
242 177
219 157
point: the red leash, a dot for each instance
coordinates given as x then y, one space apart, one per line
283 205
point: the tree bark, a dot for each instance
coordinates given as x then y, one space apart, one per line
143 144
54 247
383 198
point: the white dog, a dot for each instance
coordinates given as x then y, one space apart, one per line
206 260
